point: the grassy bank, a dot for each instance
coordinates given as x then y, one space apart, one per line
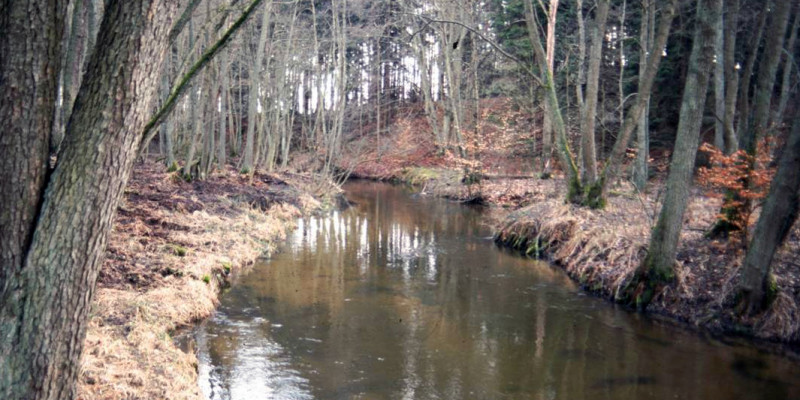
173 247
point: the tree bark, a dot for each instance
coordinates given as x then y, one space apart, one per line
592 85
640 173
547 123
30 50
45 304
788 71
731 22
776 220
659 263
255 76
719 87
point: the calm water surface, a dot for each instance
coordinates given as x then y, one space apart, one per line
406 297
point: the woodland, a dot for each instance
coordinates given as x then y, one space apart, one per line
674 122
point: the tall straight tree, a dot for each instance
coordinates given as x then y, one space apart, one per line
592 85
658 266
256 72
646 33
547 128
731 25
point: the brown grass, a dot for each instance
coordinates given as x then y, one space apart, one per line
170 237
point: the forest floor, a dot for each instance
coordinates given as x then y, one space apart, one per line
599 249
173 247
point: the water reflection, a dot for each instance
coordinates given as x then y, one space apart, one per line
404 297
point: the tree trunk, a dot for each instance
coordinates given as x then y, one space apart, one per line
30 48
166 128
788 71
767 72
777 218
640 173
46 302
658 265
254 88
743 108
71 68
592 85
731 22
223 112
719 87
547 124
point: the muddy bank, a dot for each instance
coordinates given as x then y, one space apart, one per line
174 245
600 249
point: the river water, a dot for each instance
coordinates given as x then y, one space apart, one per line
406 297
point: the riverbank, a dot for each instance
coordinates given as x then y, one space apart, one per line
173 247
600 249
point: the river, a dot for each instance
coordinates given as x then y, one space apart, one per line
406 297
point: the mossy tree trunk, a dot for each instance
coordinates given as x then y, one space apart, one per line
658 266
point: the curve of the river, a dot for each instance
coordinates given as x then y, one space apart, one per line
406 297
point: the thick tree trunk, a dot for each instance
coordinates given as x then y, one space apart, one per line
592 85
658 265
30 49
777 218
46 302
